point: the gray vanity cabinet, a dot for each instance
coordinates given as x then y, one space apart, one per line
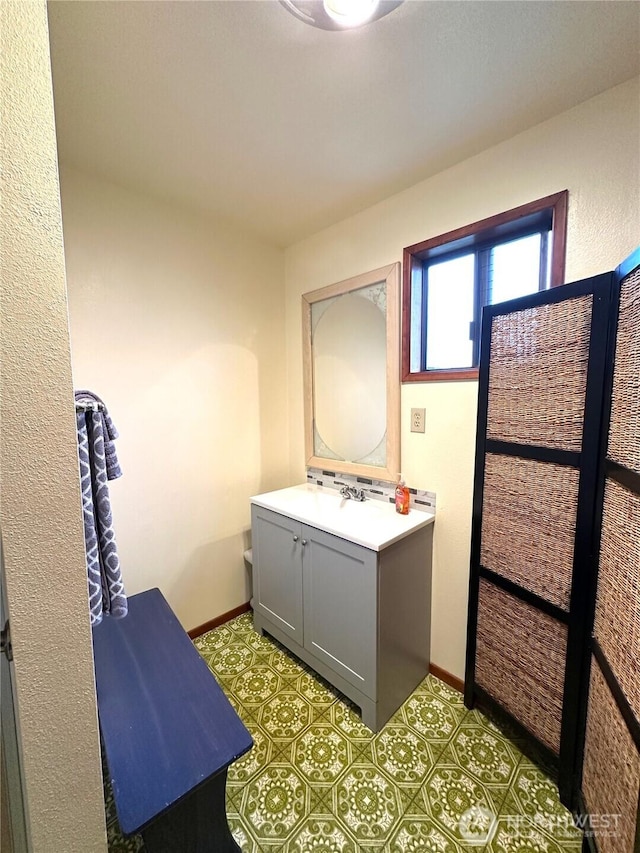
359 617
277 547
339 580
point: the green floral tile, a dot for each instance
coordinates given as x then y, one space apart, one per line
405 756
255 686
321 754
471 832
534 797
237 705
321 834
274 803
256 732
230 661
347 720
214 640
239 833
430 716
451 797
527 746
436 779
485 753
517 834
287 667
433 685
535 793
242 626
262 646
285 716
368 804
501 728
244 839
419 833
246 768
315 691
233 797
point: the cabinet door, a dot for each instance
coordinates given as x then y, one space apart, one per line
340 613
277 570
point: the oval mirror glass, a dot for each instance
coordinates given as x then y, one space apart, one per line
349 373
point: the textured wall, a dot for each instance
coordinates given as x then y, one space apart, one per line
40 512
177 321
591 150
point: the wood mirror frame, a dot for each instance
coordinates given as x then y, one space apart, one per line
390 276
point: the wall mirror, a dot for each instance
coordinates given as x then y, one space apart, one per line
351 361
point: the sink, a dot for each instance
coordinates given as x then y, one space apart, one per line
371 523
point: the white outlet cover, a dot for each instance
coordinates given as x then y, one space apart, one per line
417 420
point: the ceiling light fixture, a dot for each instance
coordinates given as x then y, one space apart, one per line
339 14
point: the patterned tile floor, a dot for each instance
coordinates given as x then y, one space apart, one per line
436 778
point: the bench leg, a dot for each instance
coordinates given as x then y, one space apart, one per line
197 824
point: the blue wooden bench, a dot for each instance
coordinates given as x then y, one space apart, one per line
168 730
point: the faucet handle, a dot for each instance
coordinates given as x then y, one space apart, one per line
356 493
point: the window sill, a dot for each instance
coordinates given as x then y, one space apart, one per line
462 374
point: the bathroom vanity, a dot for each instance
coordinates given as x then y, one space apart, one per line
346 586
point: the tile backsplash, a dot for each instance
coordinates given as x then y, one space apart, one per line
380 490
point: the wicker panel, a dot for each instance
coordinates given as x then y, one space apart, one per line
611 773
520 661
538 374
624 432
528 524
617 625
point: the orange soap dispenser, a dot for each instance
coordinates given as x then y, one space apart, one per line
402 497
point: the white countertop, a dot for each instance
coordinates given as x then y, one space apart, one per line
371 523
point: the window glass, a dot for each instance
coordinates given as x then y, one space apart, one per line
450 299
448 280
515 268
417 313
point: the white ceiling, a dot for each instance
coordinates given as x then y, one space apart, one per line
236 107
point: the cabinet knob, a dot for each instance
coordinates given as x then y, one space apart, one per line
295 538
304 541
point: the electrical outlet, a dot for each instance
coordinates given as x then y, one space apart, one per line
417 420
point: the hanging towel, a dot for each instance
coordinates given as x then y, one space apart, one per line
109 432
98 464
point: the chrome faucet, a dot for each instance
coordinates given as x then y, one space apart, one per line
350 492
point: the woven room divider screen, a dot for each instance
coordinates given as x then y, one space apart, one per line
611 769
554 598
540 401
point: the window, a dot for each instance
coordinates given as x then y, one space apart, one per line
448 280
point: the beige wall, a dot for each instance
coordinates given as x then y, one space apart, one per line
41 516
178 323
593 151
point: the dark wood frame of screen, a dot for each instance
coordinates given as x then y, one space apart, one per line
495 227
